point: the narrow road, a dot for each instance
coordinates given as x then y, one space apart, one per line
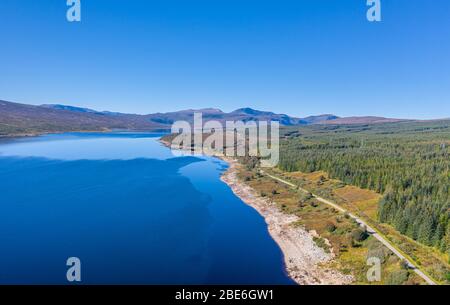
370 230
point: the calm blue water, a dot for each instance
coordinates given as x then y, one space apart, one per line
131 211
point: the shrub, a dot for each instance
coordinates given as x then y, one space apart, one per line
251 162
343 248
404 265
397 277
331 227
321 180
314 204
305 196
379 253
359 234
322 244
377 249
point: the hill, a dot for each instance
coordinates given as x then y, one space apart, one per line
242 114
21 119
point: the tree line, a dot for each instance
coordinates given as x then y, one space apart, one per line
408 164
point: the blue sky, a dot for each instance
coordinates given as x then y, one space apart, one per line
297 57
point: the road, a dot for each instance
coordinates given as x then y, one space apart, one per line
361 222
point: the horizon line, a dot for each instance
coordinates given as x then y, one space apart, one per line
94 108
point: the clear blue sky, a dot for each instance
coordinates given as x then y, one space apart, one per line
298 57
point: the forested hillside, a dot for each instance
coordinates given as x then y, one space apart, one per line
21 119
407 162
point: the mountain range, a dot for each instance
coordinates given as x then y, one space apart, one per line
23 119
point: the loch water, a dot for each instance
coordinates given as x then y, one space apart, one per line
130 210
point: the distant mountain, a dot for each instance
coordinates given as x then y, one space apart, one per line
242 114
21 119
69 108
319 119
361 120
79 109
250 111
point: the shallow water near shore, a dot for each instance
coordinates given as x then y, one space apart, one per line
131 211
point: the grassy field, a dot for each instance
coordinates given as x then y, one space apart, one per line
336 232
364 203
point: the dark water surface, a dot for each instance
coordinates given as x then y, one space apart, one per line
130 210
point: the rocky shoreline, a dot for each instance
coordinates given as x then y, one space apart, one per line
305 261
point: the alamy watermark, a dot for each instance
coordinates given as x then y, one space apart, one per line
374 11
74 272
258 139
374 272
74 11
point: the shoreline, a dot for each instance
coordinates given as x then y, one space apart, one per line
44 133
304 260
